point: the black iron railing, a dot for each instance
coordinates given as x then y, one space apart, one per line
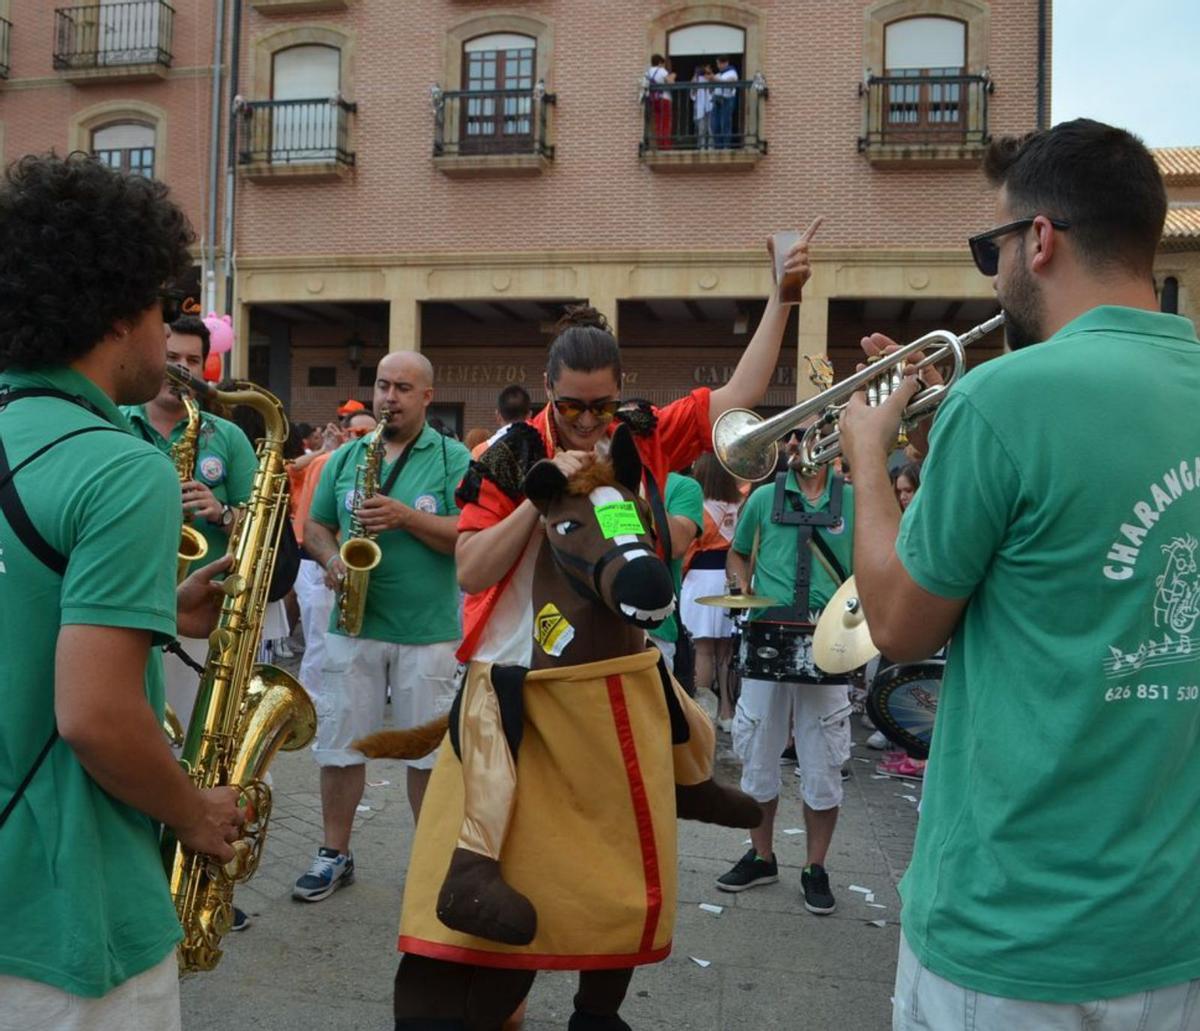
5 33
112 35
704 116
295 132
931 110
494 121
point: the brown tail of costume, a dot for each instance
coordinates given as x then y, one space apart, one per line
413 743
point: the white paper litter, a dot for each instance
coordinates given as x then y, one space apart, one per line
909 798
363 808
877 905
747 842
794 830
869 897
701 962
860 889
911 787
378 783
877 923
708 907
859 759
879 776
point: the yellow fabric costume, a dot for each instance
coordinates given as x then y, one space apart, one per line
590 838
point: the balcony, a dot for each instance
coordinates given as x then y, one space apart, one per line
294 138
5 34
690 127
493 132
925 119
107 42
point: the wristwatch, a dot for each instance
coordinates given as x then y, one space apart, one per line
226 517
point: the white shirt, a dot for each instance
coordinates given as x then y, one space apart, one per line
728 75
702 99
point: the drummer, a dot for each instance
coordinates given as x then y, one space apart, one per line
799 531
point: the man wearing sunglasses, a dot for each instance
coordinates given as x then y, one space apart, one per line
1053 882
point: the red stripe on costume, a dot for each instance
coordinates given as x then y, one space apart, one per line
529 960
641 809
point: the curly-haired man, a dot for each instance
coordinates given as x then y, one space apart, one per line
89 526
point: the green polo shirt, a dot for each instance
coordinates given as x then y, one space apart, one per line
412 595
1058 852
84 897
225 464
775 569
683 497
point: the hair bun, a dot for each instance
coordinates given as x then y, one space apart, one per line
582 315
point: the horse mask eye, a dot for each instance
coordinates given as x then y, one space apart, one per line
566 526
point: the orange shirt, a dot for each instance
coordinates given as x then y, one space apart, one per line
682 433
302 497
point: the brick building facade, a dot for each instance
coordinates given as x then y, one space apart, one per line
446 174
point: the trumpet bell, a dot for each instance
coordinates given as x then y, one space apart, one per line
742 456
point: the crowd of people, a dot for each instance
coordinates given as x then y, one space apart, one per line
1052 882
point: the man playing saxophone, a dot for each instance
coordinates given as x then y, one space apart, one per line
89 530
219 480
409 626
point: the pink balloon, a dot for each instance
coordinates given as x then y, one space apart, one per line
213 367
220 329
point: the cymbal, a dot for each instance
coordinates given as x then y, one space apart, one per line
842 640
737 601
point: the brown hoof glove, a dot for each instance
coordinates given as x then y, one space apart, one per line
476 900
413 743
710 802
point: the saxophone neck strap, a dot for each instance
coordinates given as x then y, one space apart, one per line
386 487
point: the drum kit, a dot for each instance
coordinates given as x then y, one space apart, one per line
902 699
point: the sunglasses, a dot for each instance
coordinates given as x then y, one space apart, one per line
986 251
172 302
571 408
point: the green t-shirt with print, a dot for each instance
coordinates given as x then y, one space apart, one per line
775 568
1057 852
84 896
412 595
225 464
683 497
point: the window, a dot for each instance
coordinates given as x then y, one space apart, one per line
304 122
321 375
127 146
498 123
932 50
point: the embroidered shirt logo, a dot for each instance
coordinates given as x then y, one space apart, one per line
426 503
212 469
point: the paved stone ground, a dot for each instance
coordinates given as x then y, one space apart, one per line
328 966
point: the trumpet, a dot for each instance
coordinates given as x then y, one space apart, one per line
747 445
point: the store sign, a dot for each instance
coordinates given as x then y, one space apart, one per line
482 372
718 375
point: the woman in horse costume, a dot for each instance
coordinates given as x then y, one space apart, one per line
553 843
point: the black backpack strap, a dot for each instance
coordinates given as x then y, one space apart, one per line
37 763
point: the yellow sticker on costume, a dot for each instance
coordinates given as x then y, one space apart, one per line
619 517
552 631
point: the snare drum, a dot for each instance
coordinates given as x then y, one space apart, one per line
902 703
780 652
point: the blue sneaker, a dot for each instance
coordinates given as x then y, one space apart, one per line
329 871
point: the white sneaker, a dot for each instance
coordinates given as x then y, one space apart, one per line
725 726
878 741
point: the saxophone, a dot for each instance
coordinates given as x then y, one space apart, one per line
192 545
244 712
359 552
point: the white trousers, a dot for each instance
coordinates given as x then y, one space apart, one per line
926 1002
316 604
817 716
147 1002
182 683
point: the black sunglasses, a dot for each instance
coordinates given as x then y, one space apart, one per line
571 408
172 304
986 252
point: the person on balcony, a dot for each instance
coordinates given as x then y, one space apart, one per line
658 74
702 105
724 100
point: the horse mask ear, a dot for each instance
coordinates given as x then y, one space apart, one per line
543 483
627 463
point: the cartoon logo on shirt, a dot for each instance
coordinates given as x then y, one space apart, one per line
1177 603
426 503
212 469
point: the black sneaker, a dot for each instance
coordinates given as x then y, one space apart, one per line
788 756
749 872
241 920
818 898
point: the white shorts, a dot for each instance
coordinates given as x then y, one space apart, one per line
148 1001
352 698
924 1001
816 715
704 620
